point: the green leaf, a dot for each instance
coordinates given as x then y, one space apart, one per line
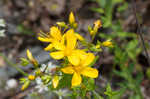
21 28
148 72
122 7
24 62
65 81
97 95
99 10
109 91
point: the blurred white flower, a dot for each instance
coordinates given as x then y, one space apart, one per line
62 93
2 23
49 68
2 30
40 86
11 83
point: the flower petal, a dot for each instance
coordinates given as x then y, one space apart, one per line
68 70
49 47
55 33
57 55
82 54
74 59
89 59
59 45
71 39
76 79
44 39
90 72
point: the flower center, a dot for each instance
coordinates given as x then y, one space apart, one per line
67 51
78 69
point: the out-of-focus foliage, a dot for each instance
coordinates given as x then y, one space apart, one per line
126 48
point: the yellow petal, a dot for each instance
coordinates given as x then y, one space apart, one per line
68 70
79 37
71 39
49 47
90 72
58 45
71 18
55 81
57 55
82 54
76 79
89 59
74 59
45 39
55 33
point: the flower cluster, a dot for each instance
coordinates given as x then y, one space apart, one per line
63 44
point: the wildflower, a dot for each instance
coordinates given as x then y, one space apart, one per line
11 83
31 77
2 27
49 68
107 43
81 69
40 85
54 37
55 81
69 49
62 93
31 58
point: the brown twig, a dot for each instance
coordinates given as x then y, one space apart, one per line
139 30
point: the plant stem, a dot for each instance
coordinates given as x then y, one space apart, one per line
13 65
97 95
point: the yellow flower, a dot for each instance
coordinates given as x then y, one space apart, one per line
55 81
81 69
69 49
107 43
71 18
54 37
31 58
31 77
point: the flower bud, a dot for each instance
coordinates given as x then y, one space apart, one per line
107 43
25 85
24 62
97 24
71 18
31 77
31 58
